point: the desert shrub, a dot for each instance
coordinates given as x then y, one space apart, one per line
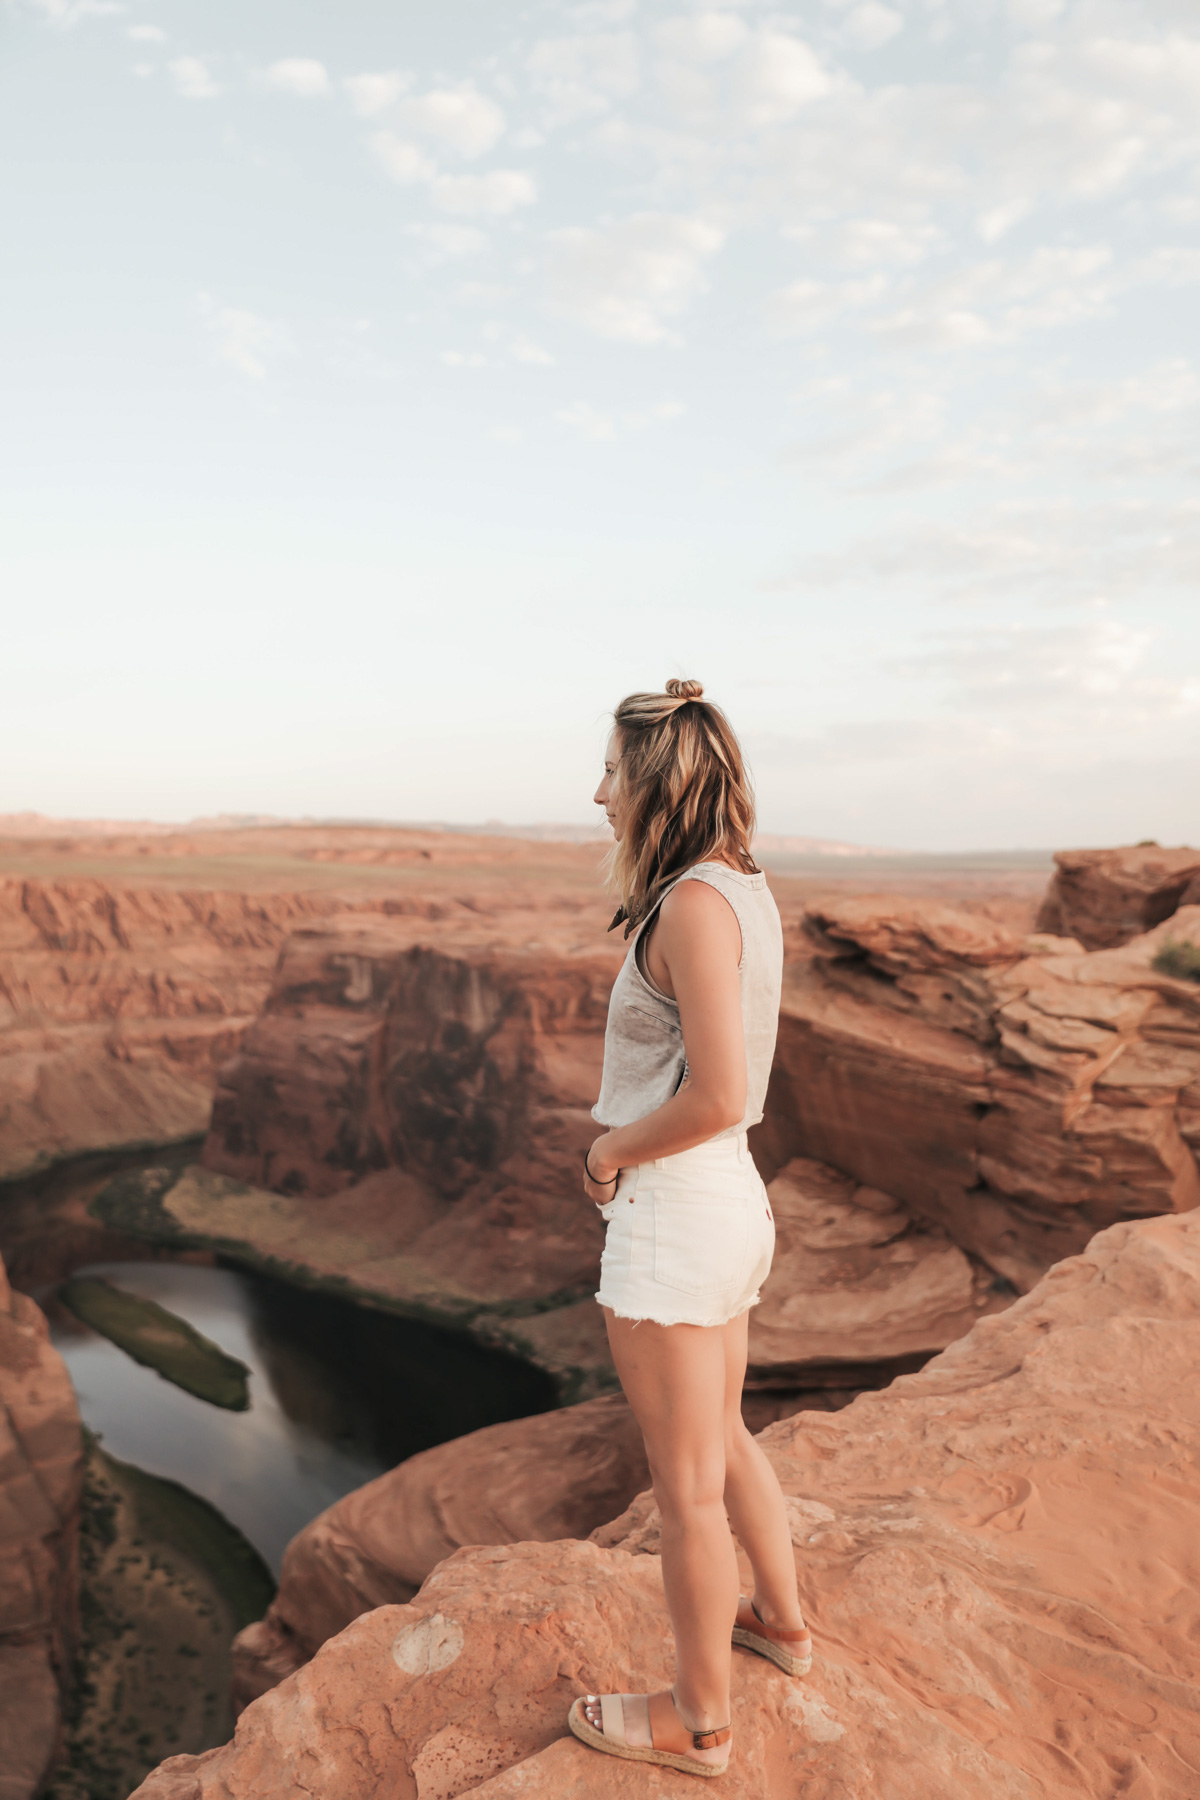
1178 959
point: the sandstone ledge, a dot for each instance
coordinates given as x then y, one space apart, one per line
998 1556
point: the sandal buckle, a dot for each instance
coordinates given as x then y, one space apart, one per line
710 1740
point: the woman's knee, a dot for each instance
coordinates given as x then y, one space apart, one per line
739 1442
683 1486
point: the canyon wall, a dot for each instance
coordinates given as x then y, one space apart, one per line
117 1004
131 961
1021 1093
41 1477
997 1556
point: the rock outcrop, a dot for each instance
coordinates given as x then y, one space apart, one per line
1105 897
859 1289
557 1475
998 1556
41 1476
1020 1093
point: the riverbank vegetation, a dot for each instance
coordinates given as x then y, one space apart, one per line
165 1584
161 1340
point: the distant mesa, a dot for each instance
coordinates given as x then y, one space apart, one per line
39 825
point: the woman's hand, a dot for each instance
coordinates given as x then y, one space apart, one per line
601 1171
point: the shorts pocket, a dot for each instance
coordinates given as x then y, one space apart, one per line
699 1245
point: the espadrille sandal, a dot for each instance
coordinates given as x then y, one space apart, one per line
790 1651
669 1736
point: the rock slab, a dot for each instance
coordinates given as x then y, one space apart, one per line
1105 897
557 1475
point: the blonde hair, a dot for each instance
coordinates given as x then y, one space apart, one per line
684 793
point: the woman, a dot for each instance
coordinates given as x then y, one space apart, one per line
688 1049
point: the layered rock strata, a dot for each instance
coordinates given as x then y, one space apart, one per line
998 1557
41 1477
1020 1093
1105 897
118 1004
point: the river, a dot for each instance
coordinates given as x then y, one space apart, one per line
338 1393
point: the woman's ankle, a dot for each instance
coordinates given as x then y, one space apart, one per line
698 1717
779 1618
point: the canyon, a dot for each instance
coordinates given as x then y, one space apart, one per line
390 1042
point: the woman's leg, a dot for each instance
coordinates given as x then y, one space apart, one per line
753 1497
675 1378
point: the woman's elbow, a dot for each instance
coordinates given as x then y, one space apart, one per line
722 1109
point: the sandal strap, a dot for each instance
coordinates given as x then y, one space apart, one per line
711 1740
612 1717
773 1631
701 1740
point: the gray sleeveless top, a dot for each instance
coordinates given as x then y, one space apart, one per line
644 1061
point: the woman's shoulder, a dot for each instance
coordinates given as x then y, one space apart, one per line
695 902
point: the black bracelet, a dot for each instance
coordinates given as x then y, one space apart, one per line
591 1177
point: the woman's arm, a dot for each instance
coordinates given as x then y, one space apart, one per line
698 946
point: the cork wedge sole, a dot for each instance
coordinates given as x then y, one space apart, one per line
596 1740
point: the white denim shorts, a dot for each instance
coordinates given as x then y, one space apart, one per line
690 1237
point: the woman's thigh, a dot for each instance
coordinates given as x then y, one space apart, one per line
675 1378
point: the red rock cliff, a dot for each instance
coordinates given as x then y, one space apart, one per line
117 1004
41 1474
1023 1094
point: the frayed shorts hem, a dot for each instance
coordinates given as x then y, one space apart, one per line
743 1306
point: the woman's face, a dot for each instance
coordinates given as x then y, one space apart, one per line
607 795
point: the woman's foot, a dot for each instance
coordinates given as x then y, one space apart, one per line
790 1651
648 1728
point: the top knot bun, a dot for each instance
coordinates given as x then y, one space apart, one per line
685 690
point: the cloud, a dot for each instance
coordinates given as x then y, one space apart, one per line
499 191
241 339
403 162
147 34
370 94
298 75
67 13
702 37
192 78
524 350
446 241
582 75
1054 550
1022 668
777 75
605 428
627 279
459 119
496 192
870 26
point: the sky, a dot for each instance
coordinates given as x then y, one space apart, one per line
389 388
